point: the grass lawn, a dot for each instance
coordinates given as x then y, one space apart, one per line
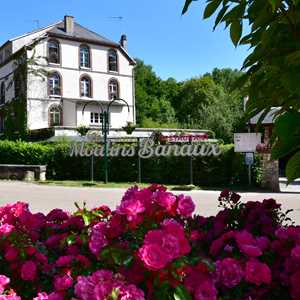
101 184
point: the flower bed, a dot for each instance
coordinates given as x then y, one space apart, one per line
150 247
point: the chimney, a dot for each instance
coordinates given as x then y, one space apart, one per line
123 41
69 24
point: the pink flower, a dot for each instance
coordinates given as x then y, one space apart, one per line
29 270
170 240
63 282
11 253
6 228
4 281
165 200
295 286
186 206
229 272
130 292
98 238
131 208
206 290
101 284
200 285
247 244
153 257
257 272
64 261
174 228
41 296
296 253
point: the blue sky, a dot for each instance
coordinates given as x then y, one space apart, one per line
176 46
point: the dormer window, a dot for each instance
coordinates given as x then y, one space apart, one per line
85 59
54 84
85 87
53 52
112 60
2 93
113 89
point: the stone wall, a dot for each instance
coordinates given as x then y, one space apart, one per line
270 173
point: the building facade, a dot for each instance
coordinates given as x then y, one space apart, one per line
66 67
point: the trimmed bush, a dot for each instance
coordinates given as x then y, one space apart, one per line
208 171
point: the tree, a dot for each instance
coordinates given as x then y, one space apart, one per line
206 104
272 67
152 96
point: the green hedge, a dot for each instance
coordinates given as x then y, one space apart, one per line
208 171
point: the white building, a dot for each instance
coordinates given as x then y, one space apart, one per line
81 66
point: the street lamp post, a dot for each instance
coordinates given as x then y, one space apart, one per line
105 127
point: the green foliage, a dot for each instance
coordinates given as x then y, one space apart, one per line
208 171
197 103
82 130
209 103
273 65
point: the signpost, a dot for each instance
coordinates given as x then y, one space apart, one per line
249 160
247 143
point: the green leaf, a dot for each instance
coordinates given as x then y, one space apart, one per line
236 32
293 167
181 293
220 15
211 7
273 4
186 6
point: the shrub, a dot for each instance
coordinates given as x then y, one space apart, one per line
227 168
150 247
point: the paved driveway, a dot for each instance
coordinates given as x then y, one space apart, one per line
45 197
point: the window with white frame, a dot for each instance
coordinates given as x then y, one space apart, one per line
85 60
112 60
96 118
113 89
54 84
85 87
55 115
53 52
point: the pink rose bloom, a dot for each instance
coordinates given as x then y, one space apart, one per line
229 272
165 200
169 243
247 244
206 290
174 228
295 286
257 272
186 206
130 292
11 253
6 229
64 261
63 282
41 296
131 208
4 281
153 257
200 285
263 242
296 253
28 271
98 238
